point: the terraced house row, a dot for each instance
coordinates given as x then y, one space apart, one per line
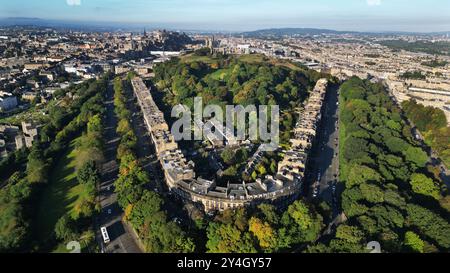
180 177
292 167
174 164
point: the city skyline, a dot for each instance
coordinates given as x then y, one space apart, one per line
234 15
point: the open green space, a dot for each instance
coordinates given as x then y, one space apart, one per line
62 195
220 74
46 202
194 58
252 58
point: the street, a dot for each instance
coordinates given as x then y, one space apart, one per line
122 239
323 175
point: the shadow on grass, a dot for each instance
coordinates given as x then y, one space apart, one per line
59 197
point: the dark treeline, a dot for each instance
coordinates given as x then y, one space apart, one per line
413 75
435 63
435 48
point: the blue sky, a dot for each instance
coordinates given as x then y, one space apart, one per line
360 15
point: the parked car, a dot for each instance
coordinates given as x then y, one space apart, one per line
316 192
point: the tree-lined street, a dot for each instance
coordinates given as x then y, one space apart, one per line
122 238
323 175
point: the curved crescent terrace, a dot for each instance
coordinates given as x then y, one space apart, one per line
280 189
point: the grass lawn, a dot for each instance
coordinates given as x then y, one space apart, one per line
220 74
258 58
288 65
61 195
190 58
252 58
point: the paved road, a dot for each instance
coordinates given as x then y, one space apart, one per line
324 166
122 239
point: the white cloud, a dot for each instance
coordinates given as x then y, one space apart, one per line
73 2
374 2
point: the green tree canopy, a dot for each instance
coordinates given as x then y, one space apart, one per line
413 242
421 184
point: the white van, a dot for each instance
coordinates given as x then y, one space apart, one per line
105 235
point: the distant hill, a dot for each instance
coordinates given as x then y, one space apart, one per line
278 32
60 24
79 25
11 21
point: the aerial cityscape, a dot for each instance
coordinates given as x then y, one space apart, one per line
221 127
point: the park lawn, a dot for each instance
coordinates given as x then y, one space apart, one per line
252 58
220 74
190 58
289 65
61 195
